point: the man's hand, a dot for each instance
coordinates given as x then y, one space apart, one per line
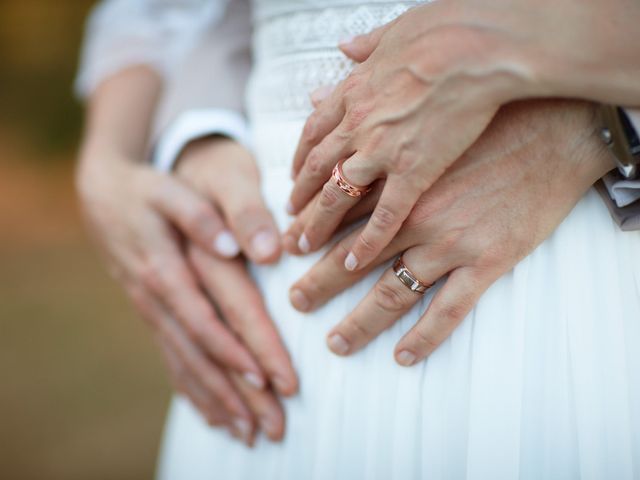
428 85
492 208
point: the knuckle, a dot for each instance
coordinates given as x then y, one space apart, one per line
388 299
356 114
314 162
359 329
384 217
329 196
365 246
425 340
454 312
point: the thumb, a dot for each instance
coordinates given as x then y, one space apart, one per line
360 47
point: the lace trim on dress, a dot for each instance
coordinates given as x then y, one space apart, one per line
297 53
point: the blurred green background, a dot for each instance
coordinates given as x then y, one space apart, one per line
82 393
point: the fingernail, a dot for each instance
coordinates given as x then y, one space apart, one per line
338 344
299 300
346 41
244 428
303 244
406 358
351 262
225 244
321 93
264 244
289 207
254 379
268 424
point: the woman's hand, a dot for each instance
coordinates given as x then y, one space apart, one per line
136 215
429 84
492 208
141 220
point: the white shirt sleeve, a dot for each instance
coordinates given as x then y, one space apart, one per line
123 33
195 124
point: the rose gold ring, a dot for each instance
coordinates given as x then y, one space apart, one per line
408 279
348 188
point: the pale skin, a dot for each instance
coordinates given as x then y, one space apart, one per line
498 202
160 237
431 82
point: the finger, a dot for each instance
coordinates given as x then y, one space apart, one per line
364 207
328 277
449 307
320 94
327 214
236 189
396 202
195 217
208 374
168 277
242 306
360 47
320 123
331 207
265 407
184 382
386 302
317 170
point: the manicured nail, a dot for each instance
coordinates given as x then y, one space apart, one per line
264 244
406 358
243 427
351 262
303 244
338 344
254 379
299 300
346 41
289 207
225 244
321 93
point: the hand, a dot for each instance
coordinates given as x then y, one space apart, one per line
430 83
225 172
133 212
492 208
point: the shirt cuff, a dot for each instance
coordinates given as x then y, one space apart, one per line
622 191
194 124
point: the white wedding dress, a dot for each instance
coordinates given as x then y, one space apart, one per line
541 381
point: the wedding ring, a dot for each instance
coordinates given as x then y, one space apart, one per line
355 191
408 279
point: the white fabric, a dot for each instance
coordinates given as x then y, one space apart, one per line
541 381
623 192
195 124
122 33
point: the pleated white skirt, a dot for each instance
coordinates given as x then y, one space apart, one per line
541 381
